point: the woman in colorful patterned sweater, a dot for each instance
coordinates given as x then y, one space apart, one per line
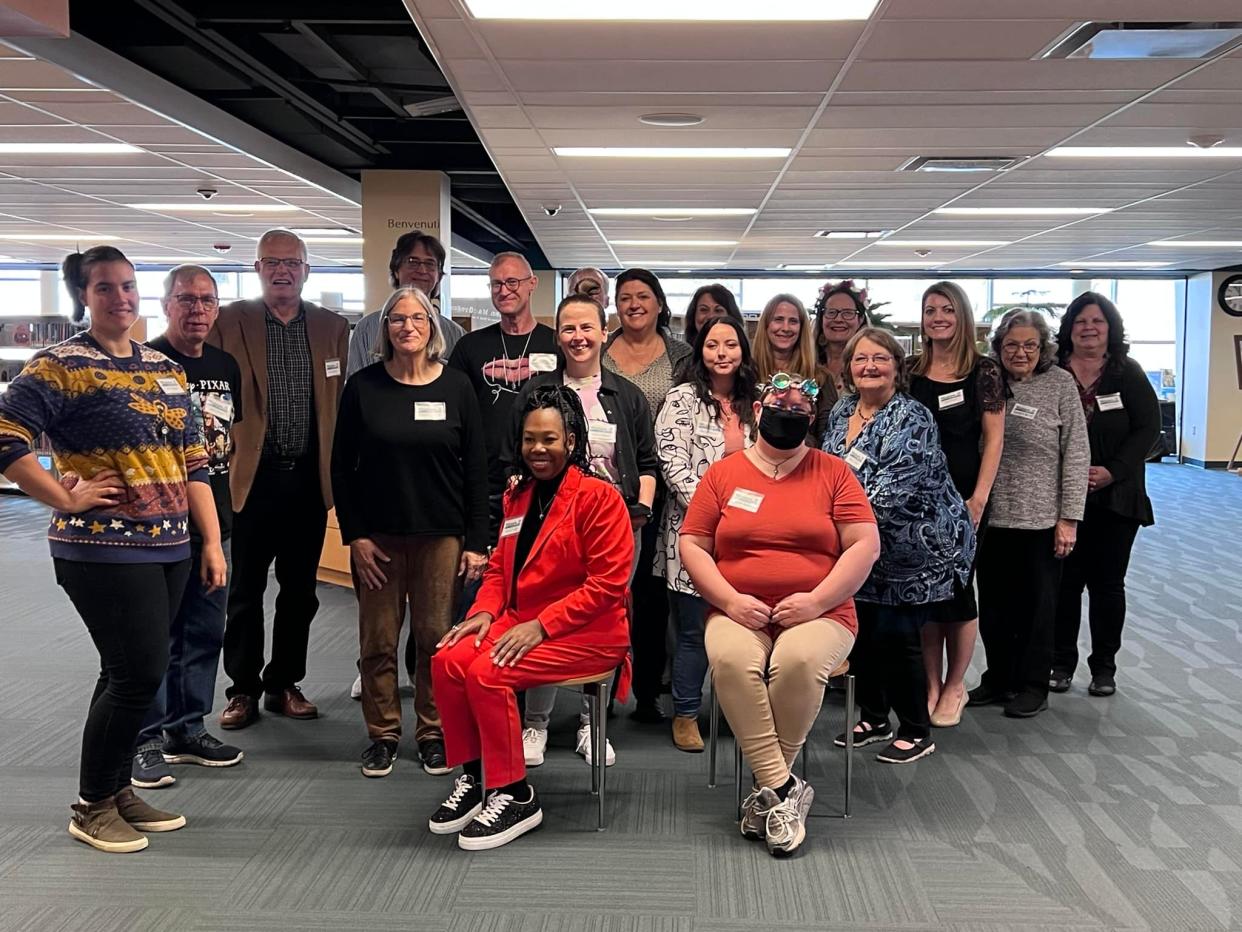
127 443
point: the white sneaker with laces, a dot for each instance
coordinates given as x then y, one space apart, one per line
534 744
355 691
584 747
786 823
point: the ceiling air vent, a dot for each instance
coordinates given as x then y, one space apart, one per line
966 163
1128 41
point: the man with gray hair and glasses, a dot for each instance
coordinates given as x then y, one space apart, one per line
174 731
292 355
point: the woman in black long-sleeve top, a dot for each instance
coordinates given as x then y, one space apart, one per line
1123 421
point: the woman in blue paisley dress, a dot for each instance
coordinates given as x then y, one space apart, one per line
927 540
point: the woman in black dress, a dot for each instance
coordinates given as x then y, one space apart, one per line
965 393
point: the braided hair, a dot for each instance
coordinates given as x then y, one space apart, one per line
564 400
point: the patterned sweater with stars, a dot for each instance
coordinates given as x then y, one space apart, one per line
131 414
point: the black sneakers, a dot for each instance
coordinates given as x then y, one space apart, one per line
501 821
377 759
462 805
869 735
1026 705
432 753
203 749
149 768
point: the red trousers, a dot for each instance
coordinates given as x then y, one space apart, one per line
478 701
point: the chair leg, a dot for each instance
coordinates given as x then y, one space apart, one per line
601 749
737 775
849 740
593 694
712 739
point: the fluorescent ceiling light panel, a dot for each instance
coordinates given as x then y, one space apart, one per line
876 264
59 237
800 268
1144 152
851 234
67 148
323 231
1120 264
673 242
942 242
209 207
188 260
669 152
357 240
678 264
682 10
1137 41
671 211
1022 211
1198 243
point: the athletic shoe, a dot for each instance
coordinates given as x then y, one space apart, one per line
501 820
355 691
149 769
204 749
377 759
785 828
755 809
1026 705
870 734
895 755
462 805
432 753
144 817
100 825
584 747
534 744
1059 681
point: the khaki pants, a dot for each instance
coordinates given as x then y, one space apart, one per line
771 719
422 571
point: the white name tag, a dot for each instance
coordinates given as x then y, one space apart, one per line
542 362
332 368
429 411
855 458
952 399
217 407
170 386
746 500
602 432
1109 402
1026 412
511 527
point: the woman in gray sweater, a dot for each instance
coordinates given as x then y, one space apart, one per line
1037 501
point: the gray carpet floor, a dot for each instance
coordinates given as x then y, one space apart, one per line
1120 813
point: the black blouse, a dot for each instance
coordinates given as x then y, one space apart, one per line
958 408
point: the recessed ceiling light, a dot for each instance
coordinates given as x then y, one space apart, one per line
785 267
344 240
1023 211
1137 41
851 234
675 264
207 207
323 231
1120 264
1144 152
67 148
965 163
1198 243
671 119
667 211
669 152
686 10
188 260
59 237
943 242
673 242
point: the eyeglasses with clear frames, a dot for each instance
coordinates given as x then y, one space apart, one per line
1013 349
511 284
187 302
398 321
875 359
423 265
832 313
293 265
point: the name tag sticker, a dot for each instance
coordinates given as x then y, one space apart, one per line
542 362
170 386
1026 412
429 411
332 368
746 500
511 527
855 458
1109 402
602 432
952 399
217 407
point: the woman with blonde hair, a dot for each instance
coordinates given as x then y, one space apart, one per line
783 339
965 392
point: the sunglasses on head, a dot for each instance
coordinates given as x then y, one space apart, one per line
783 382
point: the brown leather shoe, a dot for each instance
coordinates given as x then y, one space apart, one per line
239 713
290 703
686 733
143 816
100 825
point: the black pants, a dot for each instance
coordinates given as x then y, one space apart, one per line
1098 564
649 620
887 663
1019 577
128 609
284 521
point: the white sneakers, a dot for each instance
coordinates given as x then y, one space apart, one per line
534 743
584 746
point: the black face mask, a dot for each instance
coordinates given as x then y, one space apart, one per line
784 430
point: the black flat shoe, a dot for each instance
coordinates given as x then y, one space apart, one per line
985 695
1059 681
1102 686
1026 706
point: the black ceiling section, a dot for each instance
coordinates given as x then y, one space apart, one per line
331 78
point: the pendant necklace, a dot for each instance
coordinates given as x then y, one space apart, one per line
776 467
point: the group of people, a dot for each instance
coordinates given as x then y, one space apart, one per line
547 504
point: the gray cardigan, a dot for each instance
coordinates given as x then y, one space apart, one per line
1043 469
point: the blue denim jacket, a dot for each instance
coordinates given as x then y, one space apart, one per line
927 540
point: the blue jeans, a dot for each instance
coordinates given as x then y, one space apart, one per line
690 657
185 696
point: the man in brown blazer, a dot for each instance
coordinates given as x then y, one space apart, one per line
292 355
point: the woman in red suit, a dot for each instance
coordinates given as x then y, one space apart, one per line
551 608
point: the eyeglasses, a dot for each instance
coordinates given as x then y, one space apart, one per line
783 382
1013 349
422 265
398 321
833 313
187 302
510 283
875 359
293 265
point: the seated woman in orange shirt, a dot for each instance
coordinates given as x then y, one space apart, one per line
551 608
777 539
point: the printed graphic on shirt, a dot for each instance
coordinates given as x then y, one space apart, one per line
506 376
215 406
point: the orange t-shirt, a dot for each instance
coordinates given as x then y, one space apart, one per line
775 537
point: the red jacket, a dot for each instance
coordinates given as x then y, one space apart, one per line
576 577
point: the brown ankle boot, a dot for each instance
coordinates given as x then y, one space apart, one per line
100 825
686 733
144 817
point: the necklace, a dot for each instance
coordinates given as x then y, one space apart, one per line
862 417
543 509
504 347
776 467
